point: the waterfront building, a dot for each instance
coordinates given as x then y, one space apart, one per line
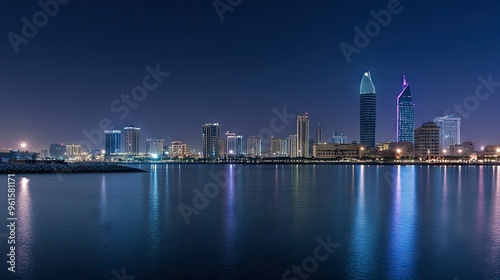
292 145
112 142
338 151
132 139
72 150
450 130
303 135
367 111
254 146
405 114
222 148
154 146
179 150
234 144
427 141
211 141
57 151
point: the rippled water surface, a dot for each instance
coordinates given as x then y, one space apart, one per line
257 221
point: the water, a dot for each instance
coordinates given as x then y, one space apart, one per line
391 222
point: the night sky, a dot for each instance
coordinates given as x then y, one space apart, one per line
263 55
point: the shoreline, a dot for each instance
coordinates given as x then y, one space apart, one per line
8 168
330 163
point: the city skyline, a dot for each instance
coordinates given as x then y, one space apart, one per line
308 73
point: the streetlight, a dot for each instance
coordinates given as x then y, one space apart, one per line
460 154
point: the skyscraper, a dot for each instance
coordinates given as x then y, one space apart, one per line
154 146
405 114
303 135
234 144
132 139
211 141
319 134
367 111
450 130
57 151
112 141
254 146
292 145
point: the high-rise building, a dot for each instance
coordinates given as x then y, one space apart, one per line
319 134
222 147
132 139
450 130
303 135
292 146
112 142
254 146
339 138
234 144
211 141
276 147
367 111
405 114
57 151
179 149
154 146
427 141
73 150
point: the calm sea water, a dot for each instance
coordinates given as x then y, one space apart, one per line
390 222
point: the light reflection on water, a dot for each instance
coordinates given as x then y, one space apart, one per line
421 222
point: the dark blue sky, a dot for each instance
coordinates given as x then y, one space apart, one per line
264 55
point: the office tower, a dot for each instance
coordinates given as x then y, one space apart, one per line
405 114
154 146
211 141
319 134
132 139
179 149
367 111
339 138
57 151
303 135
284 147
254 146
112 142
276 147
450 130
427 141
73 150
292 146
222 147
234 144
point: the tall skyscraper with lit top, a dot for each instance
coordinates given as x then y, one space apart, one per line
211 141
132 139
367 111
405 114
303 135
